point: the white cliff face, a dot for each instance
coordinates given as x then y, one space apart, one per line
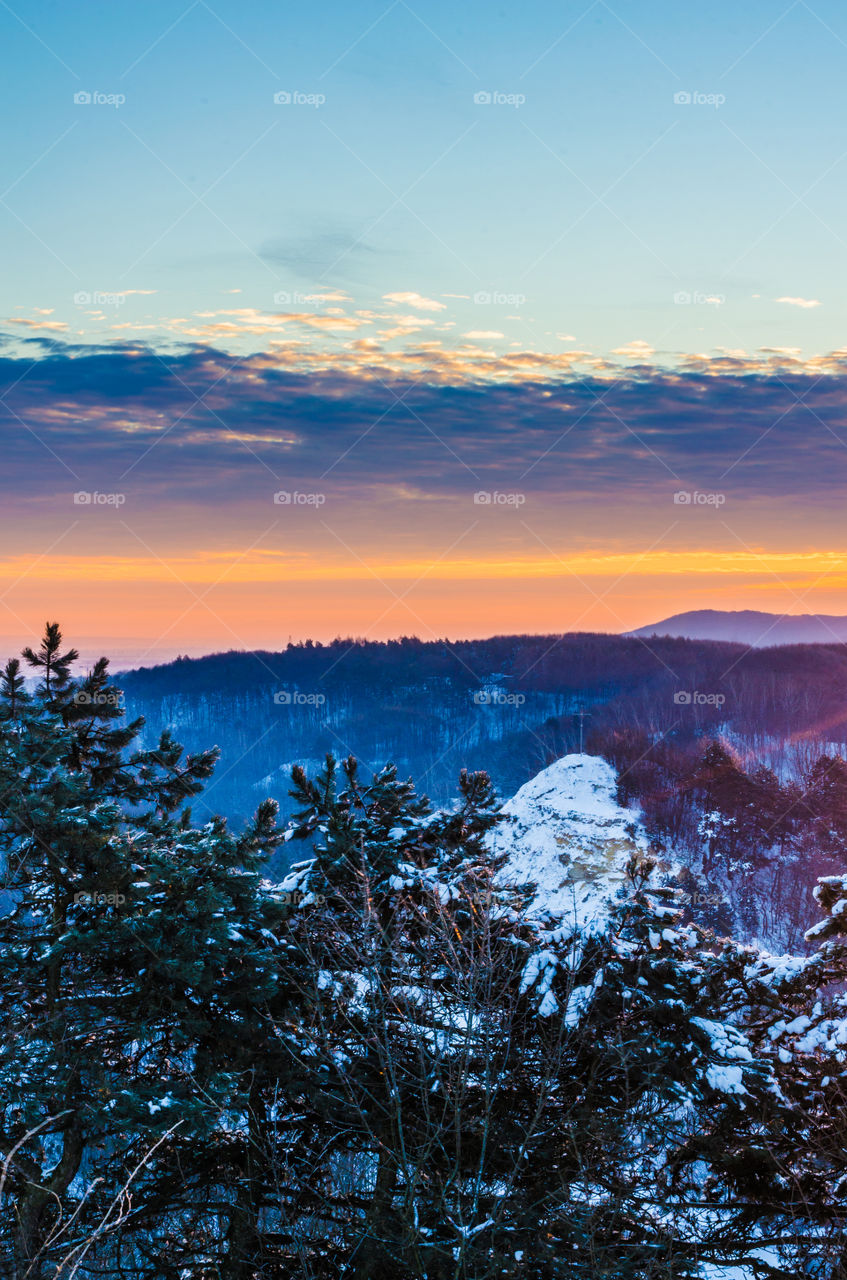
565 832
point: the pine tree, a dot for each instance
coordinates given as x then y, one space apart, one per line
417 1039
824 804
794 1169
135 961
511 1093
659 1076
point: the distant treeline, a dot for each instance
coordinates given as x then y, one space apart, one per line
413 701
511 704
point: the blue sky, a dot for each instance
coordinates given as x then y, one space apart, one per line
595 202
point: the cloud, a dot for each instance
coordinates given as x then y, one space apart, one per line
484 333
415 300
198 427
638 349
401 331
800 302
338 249
57 325
233 322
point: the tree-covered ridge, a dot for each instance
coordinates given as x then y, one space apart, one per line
744 781
385 1066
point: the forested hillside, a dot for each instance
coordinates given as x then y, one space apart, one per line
457 1044
732 753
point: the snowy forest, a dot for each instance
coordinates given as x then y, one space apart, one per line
744 783
384 1037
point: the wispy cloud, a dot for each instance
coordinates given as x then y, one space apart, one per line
57 325
414 300
800 302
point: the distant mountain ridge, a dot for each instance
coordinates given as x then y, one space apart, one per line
749 626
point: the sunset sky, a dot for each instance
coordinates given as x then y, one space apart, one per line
402 318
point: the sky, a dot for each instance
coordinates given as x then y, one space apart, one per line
381 319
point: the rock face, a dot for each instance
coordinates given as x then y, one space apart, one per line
565 832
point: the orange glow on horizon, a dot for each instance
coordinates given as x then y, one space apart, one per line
208 601
264 565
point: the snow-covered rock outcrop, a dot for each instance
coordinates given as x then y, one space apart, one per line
565 832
